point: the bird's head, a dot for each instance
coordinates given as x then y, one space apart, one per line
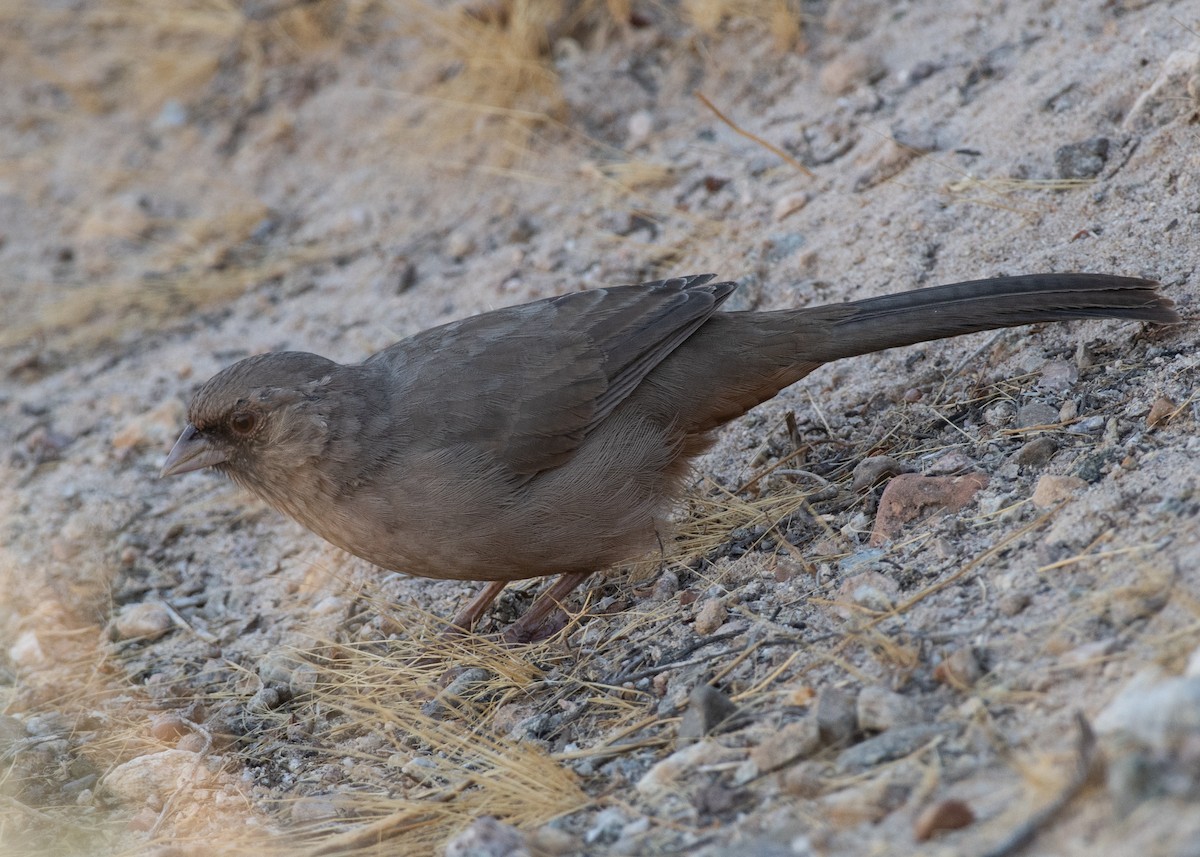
259 420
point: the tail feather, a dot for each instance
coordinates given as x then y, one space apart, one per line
873 324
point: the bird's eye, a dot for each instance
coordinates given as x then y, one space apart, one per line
243 422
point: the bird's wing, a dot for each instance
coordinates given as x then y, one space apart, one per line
527 383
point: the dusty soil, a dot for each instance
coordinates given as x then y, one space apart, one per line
184 671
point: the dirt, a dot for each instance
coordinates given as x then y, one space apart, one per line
185 671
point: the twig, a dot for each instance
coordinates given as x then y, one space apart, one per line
1085 760
771 147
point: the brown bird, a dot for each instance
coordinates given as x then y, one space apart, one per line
552 437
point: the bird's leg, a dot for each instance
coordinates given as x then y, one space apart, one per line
464 620
528 627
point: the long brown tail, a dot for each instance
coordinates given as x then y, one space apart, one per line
874 324
739 359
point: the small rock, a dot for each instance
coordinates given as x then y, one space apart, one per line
459 245
849 70
488 837
796 740
1161 411
837 719
874 469
606 827
668 774
866 802
313 808
1037 452
1057 376
870 589
953 462
1052 490
1082 160
1159 713
1014 603
265 699
910 496
710 616
193 742
155 775
1036 414
1167 97
172 115
640 126
885 162
806 780
26 650
707 709
666 586
789 204
552 842
880 709
947 814
890 745
169 726
146 621
457 695
960 669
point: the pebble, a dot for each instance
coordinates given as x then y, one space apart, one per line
1052 490
874 469
1014 603
552 842
708 708
169 726
795 741
710 616
849 70
806 780
1159 713
459 245
488 837
155 776
869 589
26 650
890 745
1036 414
1160 412
606 827
949 814
313 808
668 774
1164 100
836 716
1057 376
639 126
960 669
1037 452
789 204
1083 160
146 621
910 496
456 695
880 709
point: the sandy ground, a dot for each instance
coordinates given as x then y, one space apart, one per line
184 671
